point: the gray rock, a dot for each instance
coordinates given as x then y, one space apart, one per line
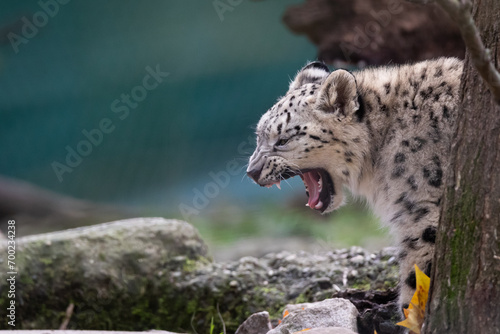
335 312
153 273
257 323
328 330
378 310
109 266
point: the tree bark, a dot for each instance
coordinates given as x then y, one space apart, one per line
465 282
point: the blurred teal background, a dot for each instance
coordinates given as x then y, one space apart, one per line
224 72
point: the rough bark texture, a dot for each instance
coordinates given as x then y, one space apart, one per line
375 32
465 291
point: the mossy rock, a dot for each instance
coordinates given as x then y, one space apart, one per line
152 273
113 273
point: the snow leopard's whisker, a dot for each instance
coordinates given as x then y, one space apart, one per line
283 179
288 184
242 177
295 171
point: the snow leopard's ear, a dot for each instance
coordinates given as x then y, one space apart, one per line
313 72
338 95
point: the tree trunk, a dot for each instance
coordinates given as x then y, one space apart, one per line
465 282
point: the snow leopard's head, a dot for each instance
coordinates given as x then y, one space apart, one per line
314 131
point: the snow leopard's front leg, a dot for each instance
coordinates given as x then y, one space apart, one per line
416 248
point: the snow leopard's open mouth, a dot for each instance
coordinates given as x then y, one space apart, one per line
319 187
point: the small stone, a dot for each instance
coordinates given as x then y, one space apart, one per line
358 259
234 284
179 258
335 312
257 323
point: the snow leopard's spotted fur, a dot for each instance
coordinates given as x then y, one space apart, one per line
383 133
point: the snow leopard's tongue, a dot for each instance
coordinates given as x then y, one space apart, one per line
313 183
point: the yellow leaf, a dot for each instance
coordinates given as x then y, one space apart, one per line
411 324
415 312
422 292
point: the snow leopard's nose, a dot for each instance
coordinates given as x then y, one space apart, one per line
255 165
255 173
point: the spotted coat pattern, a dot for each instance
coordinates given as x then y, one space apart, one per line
383 133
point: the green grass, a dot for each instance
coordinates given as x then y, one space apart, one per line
351 225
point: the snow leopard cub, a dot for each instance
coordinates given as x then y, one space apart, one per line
383 133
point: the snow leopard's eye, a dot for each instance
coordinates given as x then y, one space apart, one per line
282 142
